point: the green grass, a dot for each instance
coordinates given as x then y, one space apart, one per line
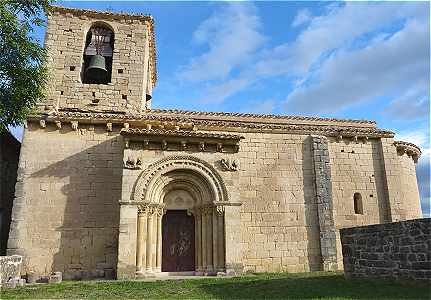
316 285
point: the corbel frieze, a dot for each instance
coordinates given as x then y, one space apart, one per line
410 149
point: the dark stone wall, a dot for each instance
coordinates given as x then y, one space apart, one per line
9 156
400 250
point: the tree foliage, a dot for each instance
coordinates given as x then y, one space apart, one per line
22 60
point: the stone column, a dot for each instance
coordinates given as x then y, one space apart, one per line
209 241
141 247
198 241
215 238
154 241
150 238
160 213
204 240
221 237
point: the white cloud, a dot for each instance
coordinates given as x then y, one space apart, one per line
383 67
327 35
303 16
232 37
414 103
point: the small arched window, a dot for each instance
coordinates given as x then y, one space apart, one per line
357 203
99 47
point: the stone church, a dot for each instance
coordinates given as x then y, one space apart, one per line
108 187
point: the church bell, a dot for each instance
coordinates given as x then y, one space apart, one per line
96 70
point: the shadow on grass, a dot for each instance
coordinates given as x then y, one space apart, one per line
317 287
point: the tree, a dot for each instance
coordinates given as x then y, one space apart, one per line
22 60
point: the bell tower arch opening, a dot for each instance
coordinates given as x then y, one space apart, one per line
180 218
98 53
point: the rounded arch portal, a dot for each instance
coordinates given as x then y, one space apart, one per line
195 171
181 183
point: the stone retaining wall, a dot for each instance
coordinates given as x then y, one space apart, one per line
398 250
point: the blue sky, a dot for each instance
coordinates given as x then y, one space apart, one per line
367 60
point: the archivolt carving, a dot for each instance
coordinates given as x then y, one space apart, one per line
202 176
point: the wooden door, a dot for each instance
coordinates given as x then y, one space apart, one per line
178 244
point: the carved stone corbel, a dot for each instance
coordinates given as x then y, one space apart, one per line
109 127
42 123
164 145
201 146
183 145
126 126
58 124
219 147
74 125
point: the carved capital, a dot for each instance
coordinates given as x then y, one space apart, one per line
42 123
58 124
109 127
219 210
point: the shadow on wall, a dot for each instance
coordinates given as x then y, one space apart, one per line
381 185
81 203
311 211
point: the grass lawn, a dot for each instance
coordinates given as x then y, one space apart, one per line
316 285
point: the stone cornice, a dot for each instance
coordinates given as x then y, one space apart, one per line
260 118
408 148
107 15
172 119
178 133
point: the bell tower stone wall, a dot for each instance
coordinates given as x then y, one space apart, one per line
133 62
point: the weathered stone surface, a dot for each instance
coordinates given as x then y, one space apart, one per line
398 250
10 268
56 277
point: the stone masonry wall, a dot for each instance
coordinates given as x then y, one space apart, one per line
401 183
68 192
398 250
65 42
9 156
357 167
65 216
275 184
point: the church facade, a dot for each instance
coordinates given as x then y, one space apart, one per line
108 187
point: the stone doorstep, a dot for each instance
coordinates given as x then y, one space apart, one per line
179 276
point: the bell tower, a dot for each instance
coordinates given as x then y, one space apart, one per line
100 61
